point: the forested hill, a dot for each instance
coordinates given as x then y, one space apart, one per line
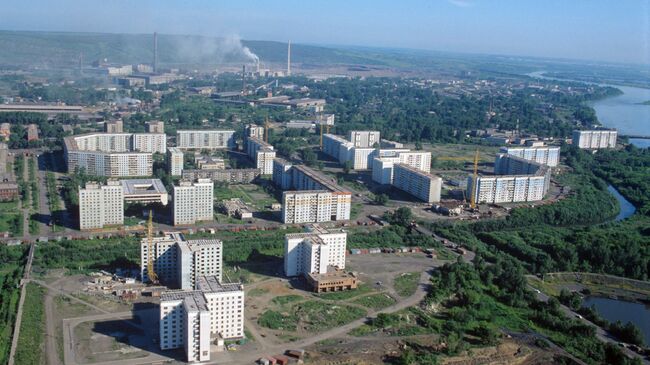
63 49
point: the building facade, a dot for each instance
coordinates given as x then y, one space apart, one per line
231 176
364 139
156 126
421 185
595 139
205 139
175 161
261 153
549 156
193 202
314 252
101 205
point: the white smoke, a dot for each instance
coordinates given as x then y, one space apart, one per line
213 50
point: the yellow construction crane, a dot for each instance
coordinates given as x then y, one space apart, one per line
326 127
472 203
153 277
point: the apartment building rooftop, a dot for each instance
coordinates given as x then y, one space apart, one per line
324 180
211 284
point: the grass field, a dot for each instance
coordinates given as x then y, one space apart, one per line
406 283
375 301
30 349
11 270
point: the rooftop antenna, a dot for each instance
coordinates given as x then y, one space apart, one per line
155 52
289 59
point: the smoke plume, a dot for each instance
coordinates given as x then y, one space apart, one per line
212 50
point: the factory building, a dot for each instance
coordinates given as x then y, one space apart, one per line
113 154
205 139
230 176
101 205
262 154
421 185
175 161
549 156
314 252
364 139
517 180
193 202
312 197
194 319
595 139
178 262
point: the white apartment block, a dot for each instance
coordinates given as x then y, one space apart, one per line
361 157
205 139
595 139
254 131
421 185
175 160
549 156
337 147
155 126
101 205
193 319
113 154
364 139
313 252
383 165
517 180
316 198
150 142
262 154
193 201
178 262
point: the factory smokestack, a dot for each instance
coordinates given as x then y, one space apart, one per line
155 52
243 79
289 59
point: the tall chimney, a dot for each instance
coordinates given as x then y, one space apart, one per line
243 79
155 52
289 59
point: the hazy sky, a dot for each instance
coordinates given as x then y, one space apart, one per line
606 30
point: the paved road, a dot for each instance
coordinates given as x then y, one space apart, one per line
21 302
601 334
50 330
43 206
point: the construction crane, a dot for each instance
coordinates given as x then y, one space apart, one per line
472 203
153 277
322 127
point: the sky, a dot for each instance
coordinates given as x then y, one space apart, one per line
597 30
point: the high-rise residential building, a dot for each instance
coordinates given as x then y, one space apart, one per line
101 205
383 164
421 185
230 176
595 139
114 126
517 180
364 139
113 154
546 155
156 126
194 319
262 154
175 160
254 131
193 202
314 252
205 139
178 262
314 198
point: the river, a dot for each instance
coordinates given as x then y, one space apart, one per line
619 310
627 209
623 112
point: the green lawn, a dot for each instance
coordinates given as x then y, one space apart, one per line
375 301
32 330
406 283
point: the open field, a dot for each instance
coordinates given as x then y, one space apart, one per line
597 284
30 349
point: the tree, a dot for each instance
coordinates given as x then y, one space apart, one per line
402 216
381 199
347 166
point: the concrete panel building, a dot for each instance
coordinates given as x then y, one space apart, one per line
193 202
101 205
364 139
114 126
145 191
314 251
150 142
254 131
156 126
421 185
175 161
595 139
549 156
383 165
262 154
205 139
230 176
